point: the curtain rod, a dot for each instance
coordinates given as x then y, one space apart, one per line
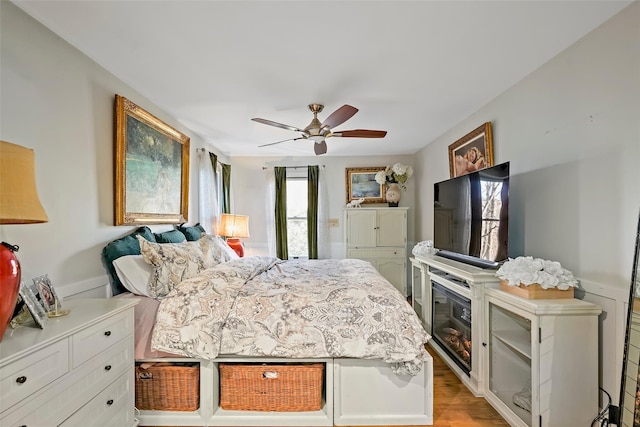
293 167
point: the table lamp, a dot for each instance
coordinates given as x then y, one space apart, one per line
19 204
234 227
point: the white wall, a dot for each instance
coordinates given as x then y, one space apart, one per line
571 131
250 187
58 102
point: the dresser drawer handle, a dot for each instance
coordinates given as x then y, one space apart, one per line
107 368
107 334
21 380
109 402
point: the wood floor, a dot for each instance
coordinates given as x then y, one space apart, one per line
454 405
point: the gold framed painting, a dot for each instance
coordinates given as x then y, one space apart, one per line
151 168
472 152
361 184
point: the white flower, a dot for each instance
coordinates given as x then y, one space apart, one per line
398 174
529 270
399 169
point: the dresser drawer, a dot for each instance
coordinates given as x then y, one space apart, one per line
78 387
377 253
108 406
24 377
97 338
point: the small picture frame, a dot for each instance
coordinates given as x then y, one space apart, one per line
46 292
36 309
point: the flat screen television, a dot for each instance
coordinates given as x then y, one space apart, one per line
471 217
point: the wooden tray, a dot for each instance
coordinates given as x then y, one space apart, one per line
535 291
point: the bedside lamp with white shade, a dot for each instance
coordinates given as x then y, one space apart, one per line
234 228
19 204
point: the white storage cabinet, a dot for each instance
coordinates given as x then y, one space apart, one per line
548 348
78 371
379 235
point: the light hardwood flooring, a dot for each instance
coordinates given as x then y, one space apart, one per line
454 405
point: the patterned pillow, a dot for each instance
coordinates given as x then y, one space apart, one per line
175 262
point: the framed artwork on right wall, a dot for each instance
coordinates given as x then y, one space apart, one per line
472 152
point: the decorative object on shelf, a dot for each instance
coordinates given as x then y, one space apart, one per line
46 294
536 278
472 152
35 307
19 204
361 184
424 248
151 168
234 228
355 203
394 177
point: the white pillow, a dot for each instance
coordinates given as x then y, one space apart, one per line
134 273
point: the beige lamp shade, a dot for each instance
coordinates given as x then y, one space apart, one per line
19 201
234 226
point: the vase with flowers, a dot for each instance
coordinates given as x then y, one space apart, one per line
394 178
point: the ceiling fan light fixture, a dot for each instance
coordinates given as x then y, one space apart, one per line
316 138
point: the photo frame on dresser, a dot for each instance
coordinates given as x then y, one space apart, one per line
45 292
472 152
36 309
151 168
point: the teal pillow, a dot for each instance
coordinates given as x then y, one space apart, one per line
173 236
192 233
127 245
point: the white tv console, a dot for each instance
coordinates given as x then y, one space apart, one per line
550 346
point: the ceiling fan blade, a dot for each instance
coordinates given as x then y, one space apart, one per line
320 147
276 124
340 116
284 140
361 133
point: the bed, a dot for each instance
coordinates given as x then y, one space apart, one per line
200 303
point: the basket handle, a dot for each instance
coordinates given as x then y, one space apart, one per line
270 375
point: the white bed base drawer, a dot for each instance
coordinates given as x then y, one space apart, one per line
369 393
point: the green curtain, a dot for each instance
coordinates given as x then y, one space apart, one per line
226 188
282 251
214 161
312 210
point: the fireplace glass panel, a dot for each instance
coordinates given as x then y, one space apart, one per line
452 325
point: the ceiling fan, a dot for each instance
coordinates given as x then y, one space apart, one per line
318 132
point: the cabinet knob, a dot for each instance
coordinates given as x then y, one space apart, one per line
107 368
21 380
484 344
109 402
107 334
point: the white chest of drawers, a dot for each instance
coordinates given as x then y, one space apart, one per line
78 371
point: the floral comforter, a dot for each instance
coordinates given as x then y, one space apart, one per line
262 306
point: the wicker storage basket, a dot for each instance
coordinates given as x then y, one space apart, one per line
271 387
168 386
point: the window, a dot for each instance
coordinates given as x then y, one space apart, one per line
491 208
297 239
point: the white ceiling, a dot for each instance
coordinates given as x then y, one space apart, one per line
413 68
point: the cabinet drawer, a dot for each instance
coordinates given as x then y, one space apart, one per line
97 338
77 388
24 377
377 253
107 407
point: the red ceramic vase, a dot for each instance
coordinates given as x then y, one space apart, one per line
9 284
